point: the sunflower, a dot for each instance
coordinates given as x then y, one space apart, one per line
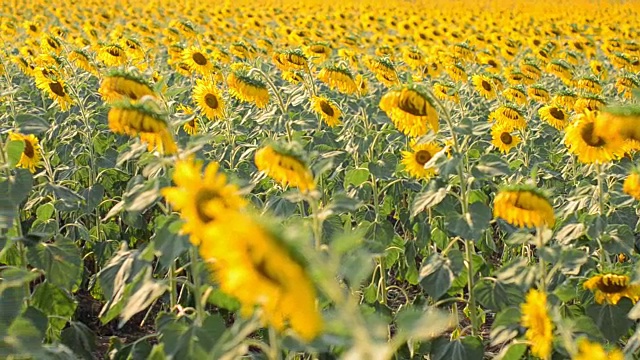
320 51
620 123
631 185
445 92
198 197
594 351
22 63
241 50
31 154
535 318
598 69
191 127
133 48
262 269
140 119
502 138
118 85
531 70
339 78
419 155
293 77
508 115
56 90
484 86
50 44
247 88
410 110
384 70
516 94
197 60
363 89
112 55
285 167
81 60
565 99
581 140
554 116
290 60
625 84
208 99
561 69
610 288
589 84
456 72
327 110
413 57
538 93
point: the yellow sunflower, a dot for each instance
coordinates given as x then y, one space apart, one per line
198 197
208 99
81 60
285 167
620 123
319 51
581 140
247 88
554 116
523 206
610 288
339 78
327 110
290 60
50 44
631 185
32 152
112 55
419 155
503 139
446 92
256 265
589 84
456 72
516 94
594 351
509 116
411 110
56 90
535 318
538 93
565 99
198 60
588 102
484 86
292 77
119 85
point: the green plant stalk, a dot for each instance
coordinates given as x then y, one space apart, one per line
283 108
541 263
317 224
173 292
197 286
382 284
604 259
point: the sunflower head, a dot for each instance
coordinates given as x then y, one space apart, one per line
524 206
535 318
285 164
611 287
414 161
327 110
582 139
31 156
503 138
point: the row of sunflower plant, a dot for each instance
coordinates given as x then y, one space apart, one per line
287 180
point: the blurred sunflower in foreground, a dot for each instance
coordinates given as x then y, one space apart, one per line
31 154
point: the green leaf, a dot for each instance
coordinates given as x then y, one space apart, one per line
142 296
496 296
66 199
436 275
58 304
490 166
21 185
471 225
379 236
505 326
12 293
92 196
168 242
356 177
467 348
570 232
45 211
14 152
31 124
612 320
618 239
384 167
223 301
80 339
512 352
60 260
418 324
427 199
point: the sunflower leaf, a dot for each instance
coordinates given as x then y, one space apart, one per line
31 124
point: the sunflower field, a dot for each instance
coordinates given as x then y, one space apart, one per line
376 180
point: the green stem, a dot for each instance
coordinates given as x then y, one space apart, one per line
317 224
383 284
200 313
173 294
541 263
604 259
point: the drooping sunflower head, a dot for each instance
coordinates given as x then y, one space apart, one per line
631 184
535 318
610 288
247 88
199 197
209 99
554 116
524 206
338 77
539 93
618 123
503 138
293 77
484 86
582 140
318 50
81 59
456 72
414 161
589 102
509 115
588 350
112 55
327 110
565 99
285 165
31 156
119 84
411 110
51 44
590 84
516 94
445 91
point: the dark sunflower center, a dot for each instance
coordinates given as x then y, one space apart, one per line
423 156
52 43
114 52
413 104
414 56
486 85
203 196
578 46
192 123
33 28
587 135
56 88
492 63
536 42
611 285
211 101
29 151
199 59
506 138
598 68
326 108
556 113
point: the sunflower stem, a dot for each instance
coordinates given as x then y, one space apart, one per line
317 224
541 263
383 283
274 348
313 85
173 295
604 259
197 286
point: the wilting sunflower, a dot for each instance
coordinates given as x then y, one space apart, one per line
523 206
198 60
456 72
293 77
589 84
631 185
509 116
565 99
588 102
327 110
484 86
80 59
384 70
516 94
56 90
142 120
285 166
594 351
625 84
290 60
538 93
23 64
119 85
413 57
554 116
581 140
411 110
561 69
502 137
112 55
531 69
208 99
446 92
32 152
261 269
535 318
419 155
50 44
598 69
198 197
338 77
319 51
247 88
610 288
